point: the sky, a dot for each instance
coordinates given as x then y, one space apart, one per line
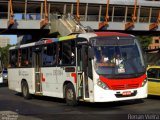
13 38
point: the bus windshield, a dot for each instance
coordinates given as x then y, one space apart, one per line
118 60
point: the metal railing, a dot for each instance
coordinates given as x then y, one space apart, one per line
25 13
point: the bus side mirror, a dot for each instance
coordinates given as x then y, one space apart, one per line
90 53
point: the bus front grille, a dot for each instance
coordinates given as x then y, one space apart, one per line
125 86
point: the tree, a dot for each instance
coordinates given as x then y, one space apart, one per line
4 52
145 41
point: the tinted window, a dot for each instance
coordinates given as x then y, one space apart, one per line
24 57
49 55
13 58
30 56
67 53
152 73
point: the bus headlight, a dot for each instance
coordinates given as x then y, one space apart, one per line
102 85
144 82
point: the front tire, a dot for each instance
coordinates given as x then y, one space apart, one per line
70 95
25 90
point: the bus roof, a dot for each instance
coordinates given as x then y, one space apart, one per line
85 35
69 37
22 46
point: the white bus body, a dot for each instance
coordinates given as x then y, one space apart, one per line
78 81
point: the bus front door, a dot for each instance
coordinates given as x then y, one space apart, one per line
38 75
82 79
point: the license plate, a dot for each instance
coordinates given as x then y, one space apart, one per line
126 93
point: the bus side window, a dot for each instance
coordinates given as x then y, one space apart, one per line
13 58
24 57
54 54
68 53
73 53
59 53
49 55
30 56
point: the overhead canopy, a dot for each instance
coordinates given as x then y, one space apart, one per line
119 2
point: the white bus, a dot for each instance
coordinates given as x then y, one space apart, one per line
92 67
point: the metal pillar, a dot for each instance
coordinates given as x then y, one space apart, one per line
126 12
64 9
139 13
72 7
150 15
113 13
41 10
86 12
25 10
100 12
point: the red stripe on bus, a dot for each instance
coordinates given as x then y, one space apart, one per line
111 34
48 41
74 76
121 84
43 78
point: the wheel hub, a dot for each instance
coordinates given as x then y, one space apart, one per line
70 94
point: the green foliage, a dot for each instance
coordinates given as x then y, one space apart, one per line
145 41
4 52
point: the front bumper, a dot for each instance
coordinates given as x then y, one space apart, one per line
101 95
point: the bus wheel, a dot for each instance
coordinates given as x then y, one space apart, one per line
25 90
70 95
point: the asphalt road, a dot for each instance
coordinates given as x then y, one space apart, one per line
14 107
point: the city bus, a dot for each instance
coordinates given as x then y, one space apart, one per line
91 67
